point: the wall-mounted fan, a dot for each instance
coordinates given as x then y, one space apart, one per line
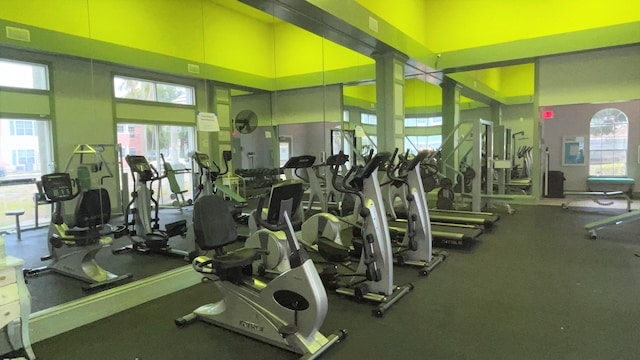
246 122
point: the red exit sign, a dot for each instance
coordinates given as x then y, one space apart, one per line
547 114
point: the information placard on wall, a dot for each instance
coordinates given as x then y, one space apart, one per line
208 122
573 151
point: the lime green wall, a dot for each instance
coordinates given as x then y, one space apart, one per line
365 92
411 17
505 84
228 45
235 41
445 25
68 16
172 28
418 93
517 80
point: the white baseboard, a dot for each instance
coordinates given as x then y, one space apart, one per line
59 319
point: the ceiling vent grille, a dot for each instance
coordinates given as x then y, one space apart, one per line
18 34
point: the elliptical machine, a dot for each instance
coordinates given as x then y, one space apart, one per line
143 229
210 172
373 278
73 249
415 249
305 163
286 312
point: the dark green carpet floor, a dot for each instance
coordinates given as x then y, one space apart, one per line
535 287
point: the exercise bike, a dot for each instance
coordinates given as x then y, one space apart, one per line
210 172
287 311
143 229
73 249
321 232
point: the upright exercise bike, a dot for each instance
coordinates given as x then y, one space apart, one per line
144 230
286 312
73 249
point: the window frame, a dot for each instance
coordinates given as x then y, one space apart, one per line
46 75
190 93
593 151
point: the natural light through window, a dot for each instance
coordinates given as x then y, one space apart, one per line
24 75
609 132
148 90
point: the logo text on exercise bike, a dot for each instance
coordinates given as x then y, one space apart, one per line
251 326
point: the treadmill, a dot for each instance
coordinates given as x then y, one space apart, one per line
484 219
442 234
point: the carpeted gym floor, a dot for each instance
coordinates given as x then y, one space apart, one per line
535 287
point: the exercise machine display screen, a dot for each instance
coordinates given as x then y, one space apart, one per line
285 196
202 160
139 165
57 186
300 162
375 163
339 159
417 159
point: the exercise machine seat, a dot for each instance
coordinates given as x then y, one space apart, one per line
215 228
93 210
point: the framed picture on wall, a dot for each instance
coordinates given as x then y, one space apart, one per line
573 151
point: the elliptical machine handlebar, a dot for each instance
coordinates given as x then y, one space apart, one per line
391 169
343 187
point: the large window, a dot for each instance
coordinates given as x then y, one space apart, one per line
148 90
609 132
25 75
25 155
369 143
368 119
173 142
415 143
423 121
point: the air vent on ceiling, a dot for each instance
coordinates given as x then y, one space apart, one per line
193 68
18 34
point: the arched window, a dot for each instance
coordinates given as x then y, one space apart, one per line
608 138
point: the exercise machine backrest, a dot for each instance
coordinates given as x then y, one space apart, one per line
93 208
213 224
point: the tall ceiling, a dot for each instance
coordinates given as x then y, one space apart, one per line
461 34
